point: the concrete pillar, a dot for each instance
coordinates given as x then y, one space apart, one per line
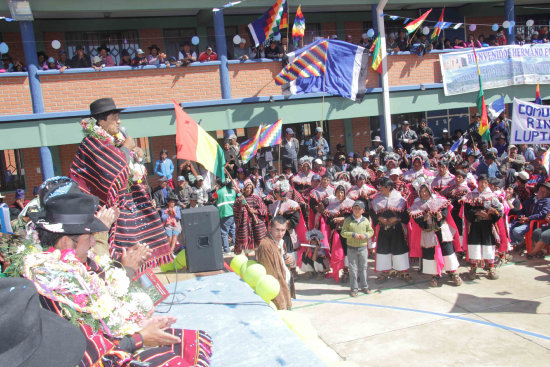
221 47
29 48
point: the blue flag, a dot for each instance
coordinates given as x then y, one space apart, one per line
345 70
457 144
496 108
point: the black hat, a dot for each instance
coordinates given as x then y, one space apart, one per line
103 105
154 46
406 122
66 209
32 336
271 169
103 47
483 177
172 197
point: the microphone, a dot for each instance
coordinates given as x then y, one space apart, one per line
122 130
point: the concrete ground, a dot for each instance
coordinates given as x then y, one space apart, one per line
504 322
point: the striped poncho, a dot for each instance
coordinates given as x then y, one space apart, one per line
101 169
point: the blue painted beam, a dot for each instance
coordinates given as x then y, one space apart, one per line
221 48
510 16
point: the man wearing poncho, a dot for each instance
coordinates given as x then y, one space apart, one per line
77 288
434 232
107 165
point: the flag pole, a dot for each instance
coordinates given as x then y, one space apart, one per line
287 24
323 102
479 73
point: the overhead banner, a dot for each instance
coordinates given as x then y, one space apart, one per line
500 67
530 123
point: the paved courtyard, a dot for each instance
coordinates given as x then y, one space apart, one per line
504 322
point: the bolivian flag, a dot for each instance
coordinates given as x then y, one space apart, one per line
412 26
376 56
195 144
482 108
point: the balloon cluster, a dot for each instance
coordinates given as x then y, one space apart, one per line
255 275
179 263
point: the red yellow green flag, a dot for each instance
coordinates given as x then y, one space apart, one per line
412 26
482 108
377 56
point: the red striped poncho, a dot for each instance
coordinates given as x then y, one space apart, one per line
249 234
101 169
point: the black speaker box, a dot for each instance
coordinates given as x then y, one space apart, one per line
203 241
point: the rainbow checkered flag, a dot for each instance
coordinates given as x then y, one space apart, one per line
310 63
250 147
271 135
299 28
270 23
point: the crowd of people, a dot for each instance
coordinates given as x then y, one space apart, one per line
272 49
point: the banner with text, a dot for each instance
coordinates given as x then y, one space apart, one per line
499 66
530 123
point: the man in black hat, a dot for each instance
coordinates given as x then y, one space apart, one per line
31 336
473 129
80 59
101 167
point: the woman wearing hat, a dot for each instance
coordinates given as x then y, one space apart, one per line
249 212
155 57
106 165
107 59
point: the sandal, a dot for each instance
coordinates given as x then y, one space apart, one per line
366 290
433 282
353 293
406 277
382 278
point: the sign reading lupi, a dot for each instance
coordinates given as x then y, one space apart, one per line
500 67
530 123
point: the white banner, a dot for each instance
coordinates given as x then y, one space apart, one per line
530 123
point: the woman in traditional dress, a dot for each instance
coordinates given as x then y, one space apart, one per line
336 211
389 212
106 165
455 193
435 232
482 210
302 180
249 212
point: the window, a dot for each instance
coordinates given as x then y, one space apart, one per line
541 20
116 41
143 143
12 175
313 30
175 37
230 32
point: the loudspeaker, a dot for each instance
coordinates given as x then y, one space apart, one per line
203 241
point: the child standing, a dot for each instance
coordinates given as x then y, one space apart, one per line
357 230
171 217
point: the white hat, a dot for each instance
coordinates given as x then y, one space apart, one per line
96 59
199 178
139 51
523 175
395 171
318 161
376 139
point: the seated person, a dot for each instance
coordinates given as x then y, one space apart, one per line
208 55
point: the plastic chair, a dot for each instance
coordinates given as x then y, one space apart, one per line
532 226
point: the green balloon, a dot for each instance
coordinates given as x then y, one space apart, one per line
165 268
253 274
181 260
237 262
244 266
268 287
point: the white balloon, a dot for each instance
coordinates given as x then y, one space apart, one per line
56 44
530 23
195 40
472 27
237 39
4 48
505 24
426 30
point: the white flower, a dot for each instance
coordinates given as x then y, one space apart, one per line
142 300
20 249
104 261
118 281
103 307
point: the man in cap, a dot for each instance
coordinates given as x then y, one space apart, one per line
444 137
407 137
472 132
488 166
289 150
115 184
140 58
225 198
208 55
235 150
425 133
340 151
18 205
318 146
182 191
160 194
200 191
357 230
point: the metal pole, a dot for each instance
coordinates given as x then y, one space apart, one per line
221 49
510 16
29 47
385 81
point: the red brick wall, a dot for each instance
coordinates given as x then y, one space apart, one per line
66 156
15 96
355 28
409 70
361 133
336 133
328 29
130 88
254 79
13 40
148 37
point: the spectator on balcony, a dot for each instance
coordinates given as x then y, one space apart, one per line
241 52
51 64
501 37
140 58
365 41
458 43
208 55
155 57
62 62
125 59
349 38
7 64
535 37
259 52
543 34
391 45
481 39
274 51
18 66
402 41
107 59
447 45
472 42
185 55
42 60
97 63
80 59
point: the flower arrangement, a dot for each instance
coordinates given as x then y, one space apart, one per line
14 248
109 304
